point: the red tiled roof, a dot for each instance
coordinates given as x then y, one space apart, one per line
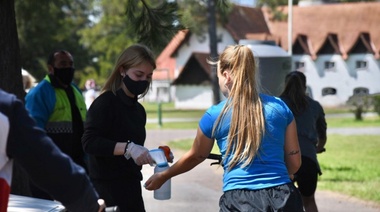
165 62
246 23
347 20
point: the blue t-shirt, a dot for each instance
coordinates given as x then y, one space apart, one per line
268 168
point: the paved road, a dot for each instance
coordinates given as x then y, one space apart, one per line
200 188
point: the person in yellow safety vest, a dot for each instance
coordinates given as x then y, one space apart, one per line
58 106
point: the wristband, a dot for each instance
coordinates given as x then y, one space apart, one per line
126 155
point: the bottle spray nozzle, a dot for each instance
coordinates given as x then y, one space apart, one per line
158 156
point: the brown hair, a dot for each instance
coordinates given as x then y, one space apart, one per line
130 57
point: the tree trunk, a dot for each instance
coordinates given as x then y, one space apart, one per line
10 77
213 48
358 113
10 68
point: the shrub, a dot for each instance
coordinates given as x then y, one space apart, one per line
360 103
376 103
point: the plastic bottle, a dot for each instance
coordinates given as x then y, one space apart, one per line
163 193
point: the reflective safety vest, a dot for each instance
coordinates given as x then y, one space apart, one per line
60 121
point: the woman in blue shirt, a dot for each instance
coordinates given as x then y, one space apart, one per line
256 135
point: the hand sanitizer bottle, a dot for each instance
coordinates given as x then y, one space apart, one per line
164 192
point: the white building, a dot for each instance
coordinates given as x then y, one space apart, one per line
337 46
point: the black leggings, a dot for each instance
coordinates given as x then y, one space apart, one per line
307 177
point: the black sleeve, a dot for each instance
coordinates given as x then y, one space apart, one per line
321 123
49 168
97 128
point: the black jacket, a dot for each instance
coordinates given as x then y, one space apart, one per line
111 119
43 161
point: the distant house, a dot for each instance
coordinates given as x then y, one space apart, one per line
337 46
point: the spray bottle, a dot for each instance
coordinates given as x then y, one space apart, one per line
164 192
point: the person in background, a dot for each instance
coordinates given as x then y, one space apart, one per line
28 80
53 171
90 93
115 133
257 138
57 105
311 129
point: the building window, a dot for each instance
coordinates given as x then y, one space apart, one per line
361 64
299 64
329 66
361 91
328 91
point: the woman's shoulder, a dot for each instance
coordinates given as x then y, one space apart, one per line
314 104
107 95
267 99
105 98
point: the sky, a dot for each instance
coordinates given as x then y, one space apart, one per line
250 3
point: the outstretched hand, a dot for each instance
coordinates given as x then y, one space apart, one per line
154 182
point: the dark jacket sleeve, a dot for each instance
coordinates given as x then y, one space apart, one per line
44 163
321 124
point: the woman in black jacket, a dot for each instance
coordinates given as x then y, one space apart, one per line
311 130
115 131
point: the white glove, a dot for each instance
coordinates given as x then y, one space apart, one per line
139 154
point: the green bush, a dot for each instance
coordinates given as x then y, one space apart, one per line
376 103
360 103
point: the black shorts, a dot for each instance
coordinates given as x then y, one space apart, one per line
283 198
306 177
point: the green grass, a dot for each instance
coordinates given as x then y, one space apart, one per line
168 111
351 166
185 144
351 122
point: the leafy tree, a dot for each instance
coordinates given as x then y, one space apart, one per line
45 26
359 103
166 20
106 37
154 22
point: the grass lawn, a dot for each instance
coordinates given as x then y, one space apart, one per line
351 122
350 165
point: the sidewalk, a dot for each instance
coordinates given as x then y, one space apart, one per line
200 188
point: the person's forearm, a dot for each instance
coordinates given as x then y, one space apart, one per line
184 164
293 163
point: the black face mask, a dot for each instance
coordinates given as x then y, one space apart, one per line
135 87
65 75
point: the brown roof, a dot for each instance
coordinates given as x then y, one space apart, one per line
318 22
246 23
165 62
